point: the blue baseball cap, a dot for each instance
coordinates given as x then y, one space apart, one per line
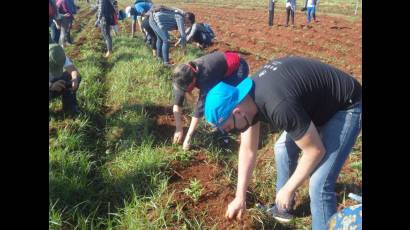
223 98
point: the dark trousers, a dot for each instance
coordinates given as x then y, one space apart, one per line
106 33
202 38
151 37
290 12
271 13
69 98
55 33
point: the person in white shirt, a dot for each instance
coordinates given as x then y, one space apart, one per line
311 9
290 11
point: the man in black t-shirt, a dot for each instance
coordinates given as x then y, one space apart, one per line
319 109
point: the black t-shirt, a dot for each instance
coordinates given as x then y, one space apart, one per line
211 70
291 92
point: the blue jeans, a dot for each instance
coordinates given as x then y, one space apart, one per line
162 41
55 33
310 13
338 136
65 30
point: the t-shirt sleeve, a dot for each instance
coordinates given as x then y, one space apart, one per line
291 117
179 97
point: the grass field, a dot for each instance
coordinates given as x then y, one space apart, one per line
114 167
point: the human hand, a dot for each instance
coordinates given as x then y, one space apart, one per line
284 199
187 143
178 135
75 84
58 86
236 209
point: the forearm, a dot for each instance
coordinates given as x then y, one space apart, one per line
246 165
247 157
192 127
132 28
307 163
139 20
181 29
177 115
191 33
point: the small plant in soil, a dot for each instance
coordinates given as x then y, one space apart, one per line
184 157
195 190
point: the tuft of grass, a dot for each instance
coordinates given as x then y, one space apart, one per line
194 191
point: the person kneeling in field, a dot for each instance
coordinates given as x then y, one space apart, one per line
200 33
318 107
203 73
63 79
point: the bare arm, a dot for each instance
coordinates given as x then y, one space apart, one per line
191 130
313 152
133 26
192 31
179 132
139 20
74 75
247 157
246 164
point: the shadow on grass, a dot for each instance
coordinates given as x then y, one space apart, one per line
98 196
123 57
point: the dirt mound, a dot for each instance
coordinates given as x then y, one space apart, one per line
332 40
216 196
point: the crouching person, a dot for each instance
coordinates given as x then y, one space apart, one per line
63 79
199 33
319 109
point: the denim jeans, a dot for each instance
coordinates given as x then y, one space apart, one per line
310 13
338 136
65 30
55 33
162 40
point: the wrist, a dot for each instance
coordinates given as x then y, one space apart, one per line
240 196
288 188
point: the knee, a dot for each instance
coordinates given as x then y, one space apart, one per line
279 150
319 190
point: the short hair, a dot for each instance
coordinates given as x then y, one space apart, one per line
190 16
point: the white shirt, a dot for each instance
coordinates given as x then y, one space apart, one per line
291 3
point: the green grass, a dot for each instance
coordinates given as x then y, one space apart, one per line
110 169
194 191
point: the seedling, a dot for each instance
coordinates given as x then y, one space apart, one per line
195 190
